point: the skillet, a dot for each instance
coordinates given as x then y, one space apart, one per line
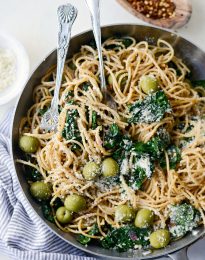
192 56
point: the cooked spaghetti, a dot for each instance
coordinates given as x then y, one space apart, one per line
154 140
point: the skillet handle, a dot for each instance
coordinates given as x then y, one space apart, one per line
180 255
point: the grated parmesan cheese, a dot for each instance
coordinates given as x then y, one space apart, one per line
7 68
144 163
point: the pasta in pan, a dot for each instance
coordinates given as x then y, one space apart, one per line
137 168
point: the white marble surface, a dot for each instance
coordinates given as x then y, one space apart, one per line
33 23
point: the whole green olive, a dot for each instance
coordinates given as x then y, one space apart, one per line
160 238
40 190
144 218
91 170
75 203
28 144
148 84
63 215
109 167
124 213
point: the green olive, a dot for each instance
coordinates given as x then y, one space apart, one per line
160 238
124 213
40 190
28 144
75 203
109 167
91 170
63 215
144 218
148 84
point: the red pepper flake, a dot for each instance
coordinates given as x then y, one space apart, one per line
155 9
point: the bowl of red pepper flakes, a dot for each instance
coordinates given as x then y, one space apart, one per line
170 14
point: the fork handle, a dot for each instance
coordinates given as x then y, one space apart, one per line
93 6
66 17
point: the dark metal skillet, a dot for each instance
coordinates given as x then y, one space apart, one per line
191 55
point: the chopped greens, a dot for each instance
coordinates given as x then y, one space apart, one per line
57 203
84 240
174 156
71 131
183 218
198 83
33 174
94 120
69 94
42 111
156 146
151 109
126 237
85 86
47 212
141 170
127 42
113 137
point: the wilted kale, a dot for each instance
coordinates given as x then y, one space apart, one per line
42 111
127 42
150 109
84 240
57 203
94 120
69 95
85 86
33 174
174 156
126 237
113 137
71 131
198 83
183 218
142 169
173 65
156 146
47 212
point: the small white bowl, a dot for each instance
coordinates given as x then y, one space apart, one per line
22 67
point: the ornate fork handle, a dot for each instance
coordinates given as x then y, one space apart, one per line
66 17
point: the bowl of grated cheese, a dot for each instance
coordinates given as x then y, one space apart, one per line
14 68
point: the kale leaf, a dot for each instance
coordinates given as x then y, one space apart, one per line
126 237
198 83
32 174
47 212
151 109
85 86
155 146
183 218
84 240
71 131
174 155
127 42
113 137
94 120
142 168
42 111
57 203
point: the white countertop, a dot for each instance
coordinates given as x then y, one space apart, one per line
33 23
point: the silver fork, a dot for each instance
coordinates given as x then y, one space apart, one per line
93 6
66 17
